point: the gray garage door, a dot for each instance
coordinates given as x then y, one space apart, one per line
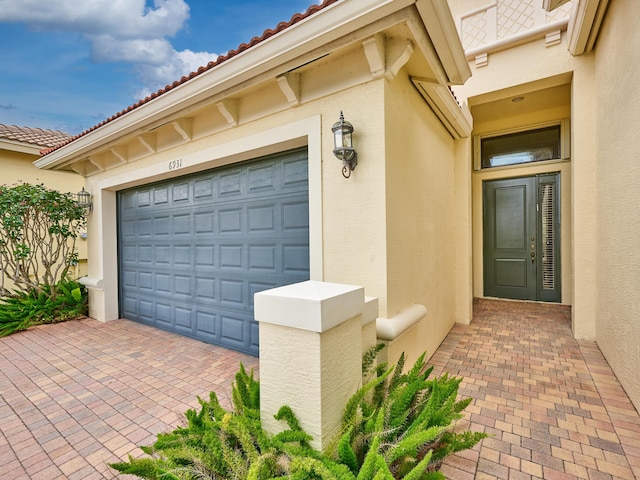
194 250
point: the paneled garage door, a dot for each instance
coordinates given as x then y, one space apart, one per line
194 250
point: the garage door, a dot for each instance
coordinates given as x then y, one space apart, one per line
194 250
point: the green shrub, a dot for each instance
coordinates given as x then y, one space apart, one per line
397 426
38 306
221 444
38 231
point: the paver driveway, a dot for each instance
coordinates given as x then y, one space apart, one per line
77 395
552 404
80 394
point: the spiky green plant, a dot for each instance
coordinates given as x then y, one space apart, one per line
221 444
403 430
396 426
39 306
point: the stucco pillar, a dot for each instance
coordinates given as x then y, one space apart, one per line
584 179
463 231
310 354
102 245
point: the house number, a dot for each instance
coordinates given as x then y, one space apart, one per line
173 164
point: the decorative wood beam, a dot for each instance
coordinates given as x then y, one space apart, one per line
374 50
119 155
386 57
290 85
148 141
229 110
97 162
398 54
79 167
184 127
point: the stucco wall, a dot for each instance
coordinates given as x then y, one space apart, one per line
617 107
525 70
18 167
403 185
347 242
354 212
421 218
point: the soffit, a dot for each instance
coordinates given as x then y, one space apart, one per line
549 93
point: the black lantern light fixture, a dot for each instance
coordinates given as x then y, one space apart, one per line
343 142
84 200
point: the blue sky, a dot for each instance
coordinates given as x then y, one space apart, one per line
69 64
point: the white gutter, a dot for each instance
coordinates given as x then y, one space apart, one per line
437 17
13 146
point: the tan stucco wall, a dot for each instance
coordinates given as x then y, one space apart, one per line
522 71
584 209
347 216
420 219
354 213
599 185
18 167
390 227
617 108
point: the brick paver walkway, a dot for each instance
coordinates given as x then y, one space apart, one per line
78 395
553 406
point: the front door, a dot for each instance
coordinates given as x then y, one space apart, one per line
522 238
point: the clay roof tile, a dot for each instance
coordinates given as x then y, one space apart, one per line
38 137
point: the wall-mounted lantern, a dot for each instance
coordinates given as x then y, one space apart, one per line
84 200
343 142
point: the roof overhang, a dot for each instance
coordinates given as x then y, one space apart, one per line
21 147
584 25
334 22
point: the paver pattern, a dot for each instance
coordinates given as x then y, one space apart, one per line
553 406
77 395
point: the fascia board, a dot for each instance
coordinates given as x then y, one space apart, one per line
584 24
328 25
456 119
443 33
13 146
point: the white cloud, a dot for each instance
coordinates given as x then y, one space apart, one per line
122 18
179 64
119 31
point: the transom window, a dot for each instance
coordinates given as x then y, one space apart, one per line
526 146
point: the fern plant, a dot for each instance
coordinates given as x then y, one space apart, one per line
396 426
40 306
221 444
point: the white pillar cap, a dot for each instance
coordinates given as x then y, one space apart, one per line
311 305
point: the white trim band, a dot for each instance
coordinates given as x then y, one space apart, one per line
391 328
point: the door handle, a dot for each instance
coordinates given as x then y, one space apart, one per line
533 257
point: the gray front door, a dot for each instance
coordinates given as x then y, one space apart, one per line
522 238
194 250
